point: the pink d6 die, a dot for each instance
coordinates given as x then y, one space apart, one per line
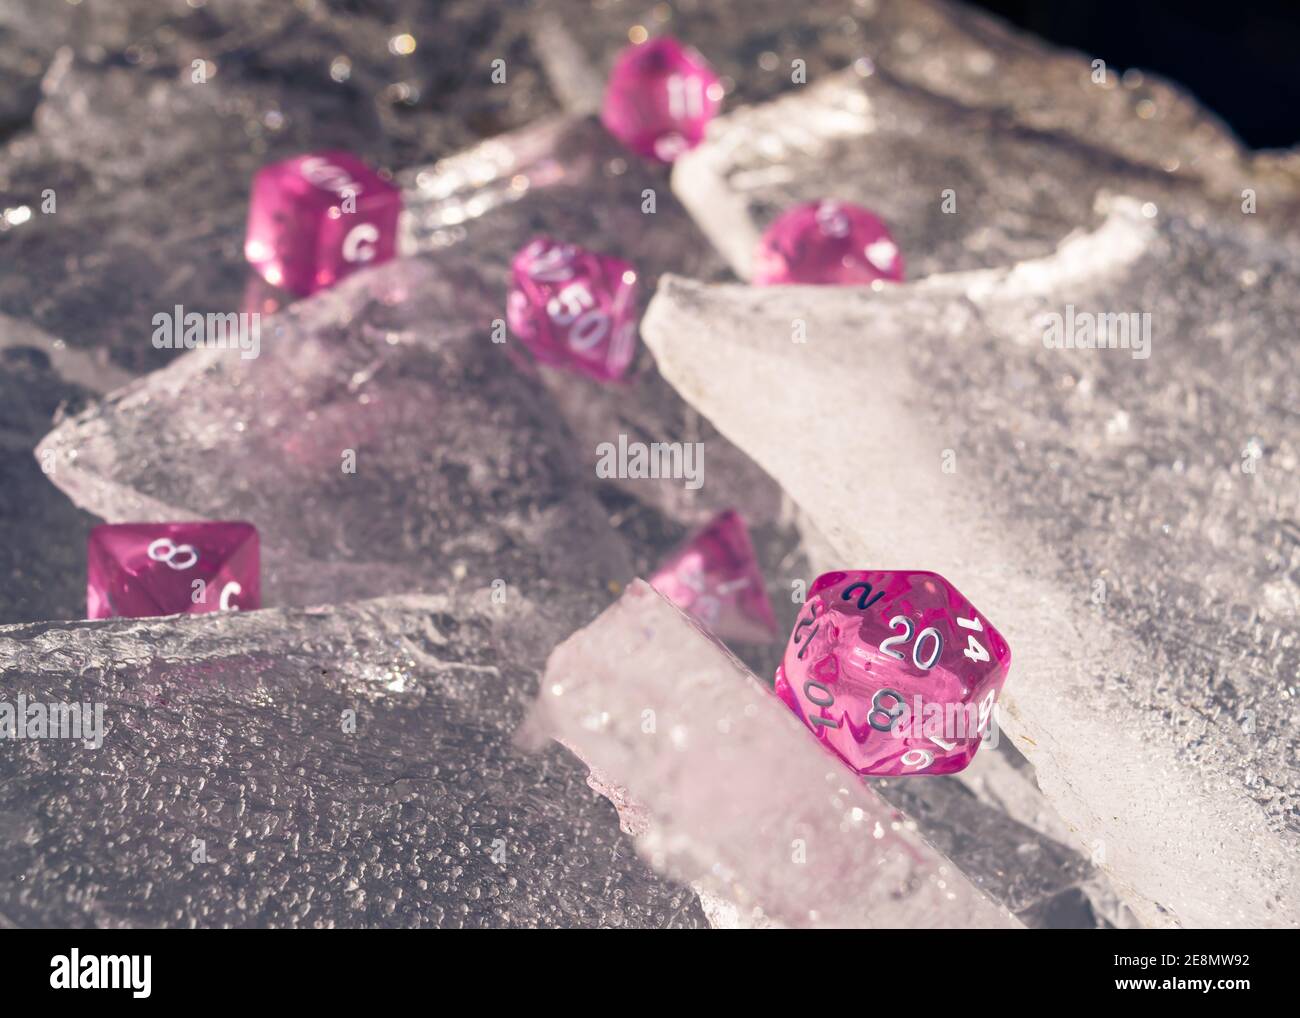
827 243
715 577
137 570
316 218
894 671
660 96
574 308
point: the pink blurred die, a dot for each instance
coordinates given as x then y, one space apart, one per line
316 218
895 672
827 243
138 570
574 308
660 96
715 578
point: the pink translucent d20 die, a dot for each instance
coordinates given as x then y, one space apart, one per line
316 218
827 243
137 570
574 308
894 671
715 578
660 96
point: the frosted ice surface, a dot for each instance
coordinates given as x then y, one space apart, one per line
112 252
124 138
725 789
328 767
470 213
1128 523
345 53
42 555
381 443
569 179
937 66
959 187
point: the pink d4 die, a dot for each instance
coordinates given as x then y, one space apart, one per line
137 570
574 308
659 97
894 671
316 218
828 243
715 578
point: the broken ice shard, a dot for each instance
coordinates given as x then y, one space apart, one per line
716 579
94 269
139 570
471 212
940 60
724 789
1096 502
380 443
959 187
342 766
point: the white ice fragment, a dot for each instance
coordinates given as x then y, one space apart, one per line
753 813
1108 703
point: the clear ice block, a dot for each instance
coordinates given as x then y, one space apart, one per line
381 443
343 766
1124 516
726 792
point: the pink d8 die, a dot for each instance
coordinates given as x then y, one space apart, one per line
660 96
827 243
574 308
137 570
894 671
316 218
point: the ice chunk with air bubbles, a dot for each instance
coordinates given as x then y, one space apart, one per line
568 179
957 188
472 211
343 766
380 442
1128 511
937 62
725 790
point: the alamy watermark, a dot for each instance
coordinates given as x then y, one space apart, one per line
34 719
77 971
682 461
1088 330
181 330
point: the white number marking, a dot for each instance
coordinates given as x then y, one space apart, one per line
163 550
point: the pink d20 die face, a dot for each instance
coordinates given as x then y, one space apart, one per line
574 308
660 96
138 570
316 218
894 671
715 578
827 243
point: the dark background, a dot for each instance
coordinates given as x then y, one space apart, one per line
1242 60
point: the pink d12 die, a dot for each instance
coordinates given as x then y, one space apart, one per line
137 570
574 308
894 671
827 243
316 218
715 578
660 96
